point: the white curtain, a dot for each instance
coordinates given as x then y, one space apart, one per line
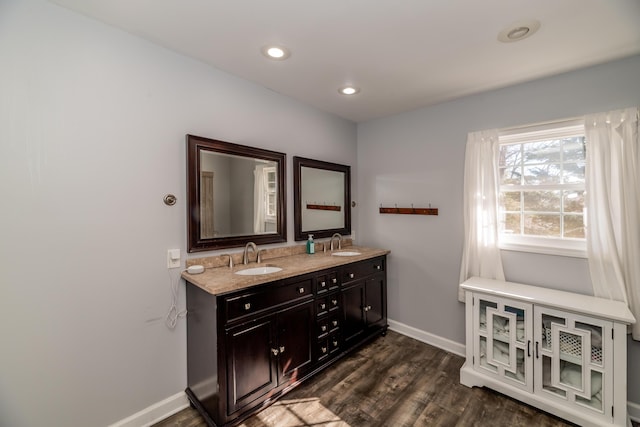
480 254
613 207
259 191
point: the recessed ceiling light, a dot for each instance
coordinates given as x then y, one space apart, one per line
348 90
519 31
278 53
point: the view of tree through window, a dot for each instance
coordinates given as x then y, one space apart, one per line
542 188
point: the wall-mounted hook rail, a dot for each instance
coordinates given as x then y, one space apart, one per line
324 207
409 211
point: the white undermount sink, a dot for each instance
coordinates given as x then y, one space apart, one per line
345 253
256 271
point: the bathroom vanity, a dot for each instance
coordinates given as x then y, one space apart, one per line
252 338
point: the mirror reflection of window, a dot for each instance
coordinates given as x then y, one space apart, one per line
264 198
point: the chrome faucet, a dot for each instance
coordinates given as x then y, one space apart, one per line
339 241
245 256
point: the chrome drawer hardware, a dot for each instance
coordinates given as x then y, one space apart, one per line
247 306
301 290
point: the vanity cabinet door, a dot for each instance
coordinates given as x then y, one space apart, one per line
295 333
364 306
251 350
375 297
353 320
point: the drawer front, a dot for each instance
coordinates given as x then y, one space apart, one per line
323 328
248 303
326 282
322 306
362 269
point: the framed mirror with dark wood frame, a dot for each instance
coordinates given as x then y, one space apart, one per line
235 195
322 198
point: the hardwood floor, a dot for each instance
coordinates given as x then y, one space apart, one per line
394 381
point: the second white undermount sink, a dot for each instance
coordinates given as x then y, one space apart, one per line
256 271
345 253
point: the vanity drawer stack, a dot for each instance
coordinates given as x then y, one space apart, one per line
327 315
246 348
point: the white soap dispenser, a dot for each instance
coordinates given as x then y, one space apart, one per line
311 246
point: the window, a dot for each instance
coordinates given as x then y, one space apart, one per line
541 203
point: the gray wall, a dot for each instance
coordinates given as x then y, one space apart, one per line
92 136
418 158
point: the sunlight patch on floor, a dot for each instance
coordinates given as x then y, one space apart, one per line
298 413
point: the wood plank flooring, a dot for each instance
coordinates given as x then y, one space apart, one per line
395 381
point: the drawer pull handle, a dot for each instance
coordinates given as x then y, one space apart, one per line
323 349
323 284
323 306
324 328
377 267
335 343
281 349
301 290
247 306
275 351
334 323
334 280
334 301
351 275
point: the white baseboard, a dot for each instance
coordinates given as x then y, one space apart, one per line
634 411
156 412
426 337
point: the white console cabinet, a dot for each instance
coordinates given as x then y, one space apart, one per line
564 353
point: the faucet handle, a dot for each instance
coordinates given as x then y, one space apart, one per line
230 260
259 256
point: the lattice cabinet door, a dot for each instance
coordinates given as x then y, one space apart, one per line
503 342
574 360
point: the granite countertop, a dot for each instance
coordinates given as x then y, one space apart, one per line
220 280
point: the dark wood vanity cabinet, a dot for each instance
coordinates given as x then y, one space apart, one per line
364 296
247 348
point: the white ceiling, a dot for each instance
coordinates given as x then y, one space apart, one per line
403 54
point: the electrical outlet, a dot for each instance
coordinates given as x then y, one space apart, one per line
173 258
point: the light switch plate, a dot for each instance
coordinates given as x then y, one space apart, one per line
173 258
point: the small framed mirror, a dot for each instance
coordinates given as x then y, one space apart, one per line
322 198
235 194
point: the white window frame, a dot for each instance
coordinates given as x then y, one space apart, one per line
572 247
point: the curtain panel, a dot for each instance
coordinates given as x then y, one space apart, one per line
613 207
480 254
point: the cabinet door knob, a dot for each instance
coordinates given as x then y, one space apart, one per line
367 308
275 351
378 267
351 275
247 306
301 290
334 280
281 349
323 284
